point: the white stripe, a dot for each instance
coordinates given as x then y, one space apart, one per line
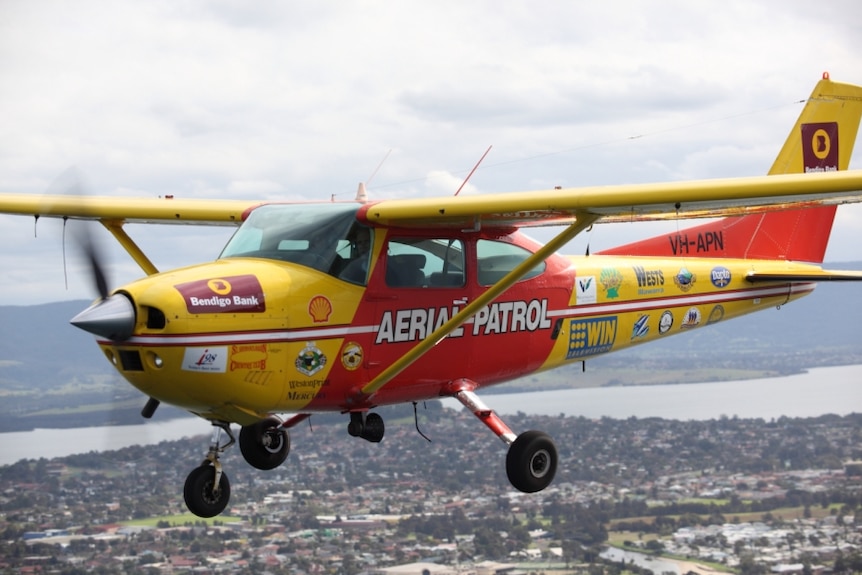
693 299
242 337
344 331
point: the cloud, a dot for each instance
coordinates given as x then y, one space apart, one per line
301 101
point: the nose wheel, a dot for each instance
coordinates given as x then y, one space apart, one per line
207 488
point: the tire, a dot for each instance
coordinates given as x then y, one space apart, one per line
198 492
374 428
531 461
265 444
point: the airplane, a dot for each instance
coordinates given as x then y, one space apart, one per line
345 306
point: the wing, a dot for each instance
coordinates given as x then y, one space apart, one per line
128 210
634 202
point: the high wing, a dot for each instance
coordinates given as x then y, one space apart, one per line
128 210
624 203
627 202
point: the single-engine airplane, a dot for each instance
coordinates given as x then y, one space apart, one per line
347 306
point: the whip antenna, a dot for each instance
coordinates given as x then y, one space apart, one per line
464 183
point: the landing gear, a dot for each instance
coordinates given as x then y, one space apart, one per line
531 461
265 444
368 426
205 496
207 488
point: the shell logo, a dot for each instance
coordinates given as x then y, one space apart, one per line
319 308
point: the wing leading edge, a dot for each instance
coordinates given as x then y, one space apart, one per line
623 203
128 210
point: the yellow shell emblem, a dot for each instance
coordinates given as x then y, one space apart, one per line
319 308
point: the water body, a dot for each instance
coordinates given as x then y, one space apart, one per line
817 392
821 391
641 560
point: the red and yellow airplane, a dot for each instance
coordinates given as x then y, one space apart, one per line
346 306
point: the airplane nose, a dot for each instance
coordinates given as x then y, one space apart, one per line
112 318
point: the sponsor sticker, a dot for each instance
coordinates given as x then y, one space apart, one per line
665 322
684 280
585 290
611 279
716 315
591 336
205 359
248 356
641 327
820 147
233 294
650 281
690 319
720 276
320 308
310 360
351 356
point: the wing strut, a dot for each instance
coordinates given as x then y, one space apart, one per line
584 221
116 229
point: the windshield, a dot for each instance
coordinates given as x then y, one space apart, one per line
319 236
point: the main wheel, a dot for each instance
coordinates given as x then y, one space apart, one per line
198 492
374 428
265 444
531 461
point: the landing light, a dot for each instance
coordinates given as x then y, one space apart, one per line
156 360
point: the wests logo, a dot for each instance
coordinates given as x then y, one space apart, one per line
234 294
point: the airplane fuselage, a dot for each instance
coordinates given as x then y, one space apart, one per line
243 337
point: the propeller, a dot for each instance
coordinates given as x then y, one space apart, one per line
111 316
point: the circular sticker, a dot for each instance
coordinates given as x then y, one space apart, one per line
351 355
665 322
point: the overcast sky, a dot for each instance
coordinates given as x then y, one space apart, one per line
302 100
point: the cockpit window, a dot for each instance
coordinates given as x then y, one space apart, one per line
496 259
325 237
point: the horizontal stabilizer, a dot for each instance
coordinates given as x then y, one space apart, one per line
804 276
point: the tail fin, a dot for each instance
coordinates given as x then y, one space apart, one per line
821 140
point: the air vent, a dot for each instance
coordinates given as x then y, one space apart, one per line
155 318
131 360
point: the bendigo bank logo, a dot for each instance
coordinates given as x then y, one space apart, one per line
235 294
820 147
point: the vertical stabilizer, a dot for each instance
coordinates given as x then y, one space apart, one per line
821 141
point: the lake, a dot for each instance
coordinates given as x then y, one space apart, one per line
820 391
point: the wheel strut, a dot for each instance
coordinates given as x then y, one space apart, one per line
531 461
216 449
207 488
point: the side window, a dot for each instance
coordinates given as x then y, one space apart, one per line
352 255
425 262
496 259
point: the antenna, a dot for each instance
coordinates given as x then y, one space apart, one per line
374 173
464 183
362 193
